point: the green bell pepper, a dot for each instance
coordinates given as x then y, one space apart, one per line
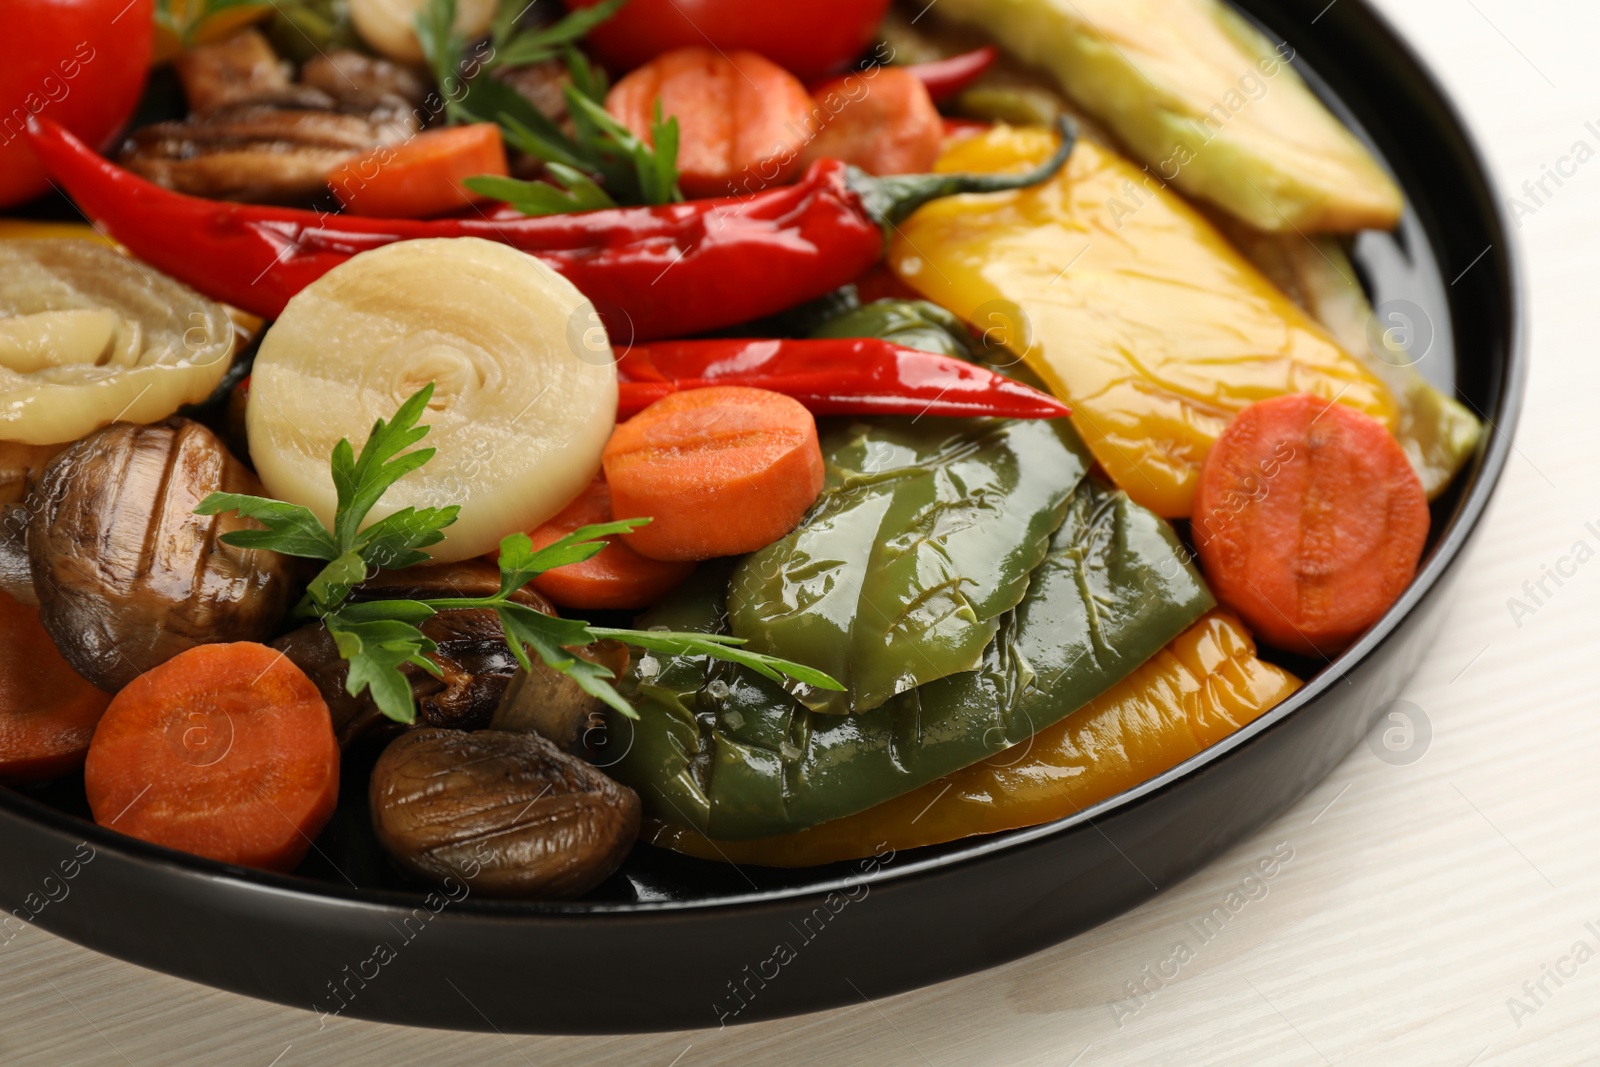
725 752
924 535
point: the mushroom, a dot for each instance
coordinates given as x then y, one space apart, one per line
16 575
473 657
126 573
548 702
509 814
482 686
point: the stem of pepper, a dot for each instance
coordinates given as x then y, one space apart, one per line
889 201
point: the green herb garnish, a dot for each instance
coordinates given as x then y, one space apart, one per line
601 164
379 637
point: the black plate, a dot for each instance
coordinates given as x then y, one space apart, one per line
678 943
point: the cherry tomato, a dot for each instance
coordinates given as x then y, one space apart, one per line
810 39
82 62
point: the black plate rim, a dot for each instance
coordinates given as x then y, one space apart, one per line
1469 514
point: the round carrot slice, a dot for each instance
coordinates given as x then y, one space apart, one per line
225 751
882 120
421 177
741 118
618 578
1309 521
719 471
47 712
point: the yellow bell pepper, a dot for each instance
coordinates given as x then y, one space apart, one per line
1133 308
1199 689
1437 432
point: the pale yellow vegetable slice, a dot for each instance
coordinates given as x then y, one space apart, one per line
520 410
89 336
1199 95
389 25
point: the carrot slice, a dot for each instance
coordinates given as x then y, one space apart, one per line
618 578
225 751
883 121
421 177
47 712
741 118
721 471
1309 521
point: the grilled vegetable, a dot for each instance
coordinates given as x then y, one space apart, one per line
224 751
1206 101
734 756
925 535
509 814
1137 312
1309 522
475 663
652 272
719 471
842 374
127 575
47 712
1199 689
519 418
1436 431
230 71
88 336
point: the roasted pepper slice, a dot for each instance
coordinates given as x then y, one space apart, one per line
924 535
1203 686
1206 101
733 755
1129 304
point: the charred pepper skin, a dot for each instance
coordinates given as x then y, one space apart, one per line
651 272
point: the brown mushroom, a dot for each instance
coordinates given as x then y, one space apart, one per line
509 814
548 702
473 657
16 574
126 574
482 685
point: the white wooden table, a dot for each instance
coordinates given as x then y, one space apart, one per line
1437 912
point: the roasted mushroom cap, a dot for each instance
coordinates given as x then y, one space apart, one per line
481 686
126 573
508 814
473 656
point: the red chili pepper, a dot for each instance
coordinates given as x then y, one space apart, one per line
650 271
944 78
854 376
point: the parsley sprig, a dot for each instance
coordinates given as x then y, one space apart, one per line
380 637
601 164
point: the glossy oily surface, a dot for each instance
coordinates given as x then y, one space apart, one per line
1136 311
1203 686
733 755
924 535
687 927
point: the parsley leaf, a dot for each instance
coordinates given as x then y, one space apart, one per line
512 49
380 638
290 528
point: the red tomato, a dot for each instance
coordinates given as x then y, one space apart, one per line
82 62
810 39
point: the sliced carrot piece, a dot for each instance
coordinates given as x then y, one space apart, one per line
47 712
225 751
422 177
741 118
720 471
618 578
883 121
1309 521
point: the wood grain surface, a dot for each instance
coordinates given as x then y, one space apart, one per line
1433 909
